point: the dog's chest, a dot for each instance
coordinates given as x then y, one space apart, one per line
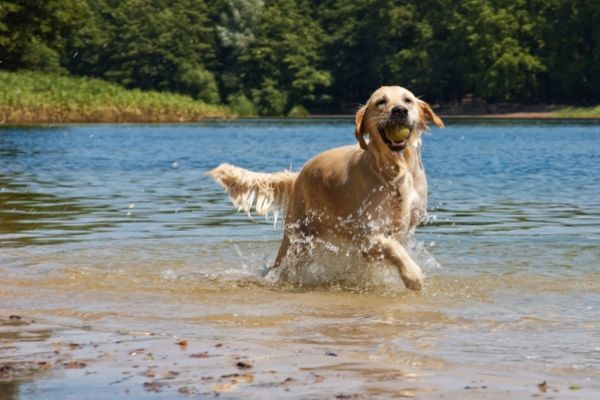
403 196
397 206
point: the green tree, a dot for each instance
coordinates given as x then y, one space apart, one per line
502 38
571 37
235 34
375 42
447 63
88 51
34 33
283 65
276 57
164 45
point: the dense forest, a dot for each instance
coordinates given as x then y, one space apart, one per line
288 56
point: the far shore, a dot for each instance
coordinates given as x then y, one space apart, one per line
506 116
165 120
35 98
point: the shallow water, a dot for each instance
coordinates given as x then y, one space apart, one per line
114 228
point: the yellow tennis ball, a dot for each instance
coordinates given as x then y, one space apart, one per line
399 134
405 133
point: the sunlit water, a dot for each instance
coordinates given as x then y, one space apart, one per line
117 228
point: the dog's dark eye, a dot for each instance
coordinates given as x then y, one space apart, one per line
408 100
381 102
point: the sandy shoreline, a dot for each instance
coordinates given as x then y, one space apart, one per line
42 359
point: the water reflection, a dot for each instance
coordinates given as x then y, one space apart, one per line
29 218
107 182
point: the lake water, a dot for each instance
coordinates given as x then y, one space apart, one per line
114 244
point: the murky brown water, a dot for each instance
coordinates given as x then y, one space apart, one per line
114 248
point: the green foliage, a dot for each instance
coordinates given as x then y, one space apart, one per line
241 105
36 55
269 99
164 45
33 33
502 40
571 51
237 23
325 56
578 112
29 97
283 62
298 112
235 33
382 42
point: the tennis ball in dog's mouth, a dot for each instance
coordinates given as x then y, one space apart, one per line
397 134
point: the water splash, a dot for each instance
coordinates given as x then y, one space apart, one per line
341 265
420 253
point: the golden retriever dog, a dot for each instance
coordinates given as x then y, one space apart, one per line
371 195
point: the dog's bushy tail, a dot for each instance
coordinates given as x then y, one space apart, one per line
247 189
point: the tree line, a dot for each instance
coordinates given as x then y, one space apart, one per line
278 57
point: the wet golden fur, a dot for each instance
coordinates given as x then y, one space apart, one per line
372 195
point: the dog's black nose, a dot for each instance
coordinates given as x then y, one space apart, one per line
399 111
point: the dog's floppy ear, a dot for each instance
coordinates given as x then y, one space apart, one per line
359 129
427 114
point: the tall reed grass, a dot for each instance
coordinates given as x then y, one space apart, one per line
579 112
32 97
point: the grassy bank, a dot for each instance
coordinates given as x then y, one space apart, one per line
33 97
578 112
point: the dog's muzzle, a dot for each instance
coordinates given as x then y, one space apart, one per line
396 130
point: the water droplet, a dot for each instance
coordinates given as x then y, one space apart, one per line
169 274
131 205
175 165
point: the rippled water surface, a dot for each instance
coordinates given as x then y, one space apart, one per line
115 228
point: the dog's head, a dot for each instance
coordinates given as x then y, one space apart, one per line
393 118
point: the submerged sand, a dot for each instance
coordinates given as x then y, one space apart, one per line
239 356
148 321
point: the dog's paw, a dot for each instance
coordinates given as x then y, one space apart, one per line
413 279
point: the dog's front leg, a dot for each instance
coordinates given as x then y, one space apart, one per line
391 250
